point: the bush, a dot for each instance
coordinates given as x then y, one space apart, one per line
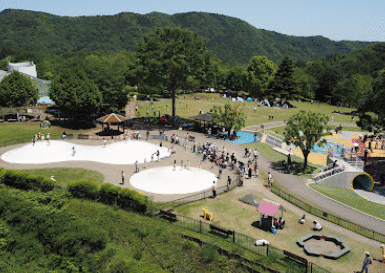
132 200
84 189
109 193
25 181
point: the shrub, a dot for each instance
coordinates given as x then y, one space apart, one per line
132 200
84 189
209 253
24 181
109 193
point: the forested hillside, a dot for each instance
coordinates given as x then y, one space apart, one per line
232 40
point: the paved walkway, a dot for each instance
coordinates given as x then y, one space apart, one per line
295 184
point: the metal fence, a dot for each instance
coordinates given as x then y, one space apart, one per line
330 217
198 196
274 254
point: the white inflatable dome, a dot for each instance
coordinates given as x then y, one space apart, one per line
28 68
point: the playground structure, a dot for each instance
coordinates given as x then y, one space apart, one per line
207 215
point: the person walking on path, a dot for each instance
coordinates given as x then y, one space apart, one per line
157 154
367 262
136 166
73 151
104 143
220 171
174 165
214 189
33 141
256 168
270 180
122 174
48 139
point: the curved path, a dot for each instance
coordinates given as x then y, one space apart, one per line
295 184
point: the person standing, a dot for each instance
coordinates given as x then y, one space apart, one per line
157 154
228 183
33 141
73 151
48 139
122 176
136 166
269 178
174 165
220 171
104 143
214 189
256 168
367 262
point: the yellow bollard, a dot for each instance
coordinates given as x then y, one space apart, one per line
383 252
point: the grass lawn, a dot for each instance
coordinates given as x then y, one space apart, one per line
64 176
352 199
187 107
232 214
13 133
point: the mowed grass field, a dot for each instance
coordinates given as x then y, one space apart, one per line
64 176
187 106
13 133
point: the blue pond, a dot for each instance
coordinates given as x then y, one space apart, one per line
325 148
244 138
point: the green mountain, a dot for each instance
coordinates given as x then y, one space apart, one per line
231 39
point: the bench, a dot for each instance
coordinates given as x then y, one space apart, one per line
83 136
222 231
207 215
169 216
295 257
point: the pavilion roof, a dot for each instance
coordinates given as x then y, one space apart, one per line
112 118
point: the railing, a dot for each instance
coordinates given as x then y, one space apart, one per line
327 173
198 196
330 217
273 141
274 134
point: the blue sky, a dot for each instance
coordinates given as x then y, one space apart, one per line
336 20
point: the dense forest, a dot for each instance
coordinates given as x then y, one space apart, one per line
231 39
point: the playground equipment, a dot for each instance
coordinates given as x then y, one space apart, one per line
207 215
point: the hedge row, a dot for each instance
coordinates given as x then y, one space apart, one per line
25 181
110 194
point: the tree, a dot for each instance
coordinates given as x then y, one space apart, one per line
109 79
74 93
17 90
284 84
306 83
354 90
258 75
234 78
229 116
167 57
306 129
372 114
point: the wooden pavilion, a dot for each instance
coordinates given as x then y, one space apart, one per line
113 119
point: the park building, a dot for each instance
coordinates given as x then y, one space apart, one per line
28 69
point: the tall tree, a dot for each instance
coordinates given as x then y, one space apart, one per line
74 93
230 116
167 57
284 84
109 79
354 90
258 75
17 90
372 114
234 78
306 129
306 83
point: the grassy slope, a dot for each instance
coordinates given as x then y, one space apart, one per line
351 199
